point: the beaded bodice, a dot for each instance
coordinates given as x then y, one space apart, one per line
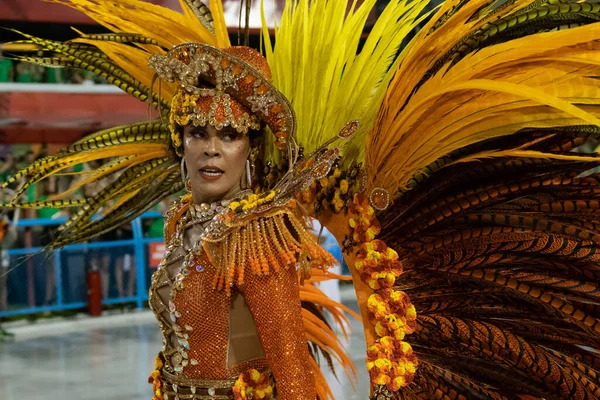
206 334
214 334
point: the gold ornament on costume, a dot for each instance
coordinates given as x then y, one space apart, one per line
321 170
379 199
363 180
349 130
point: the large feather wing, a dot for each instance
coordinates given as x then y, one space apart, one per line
475 204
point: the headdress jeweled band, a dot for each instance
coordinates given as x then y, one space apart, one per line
237 73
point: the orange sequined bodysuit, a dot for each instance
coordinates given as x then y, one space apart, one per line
210 337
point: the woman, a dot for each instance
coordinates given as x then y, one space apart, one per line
213 331
459 188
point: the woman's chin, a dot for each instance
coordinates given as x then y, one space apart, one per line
211 193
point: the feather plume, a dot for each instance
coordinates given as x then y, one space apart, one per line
317 66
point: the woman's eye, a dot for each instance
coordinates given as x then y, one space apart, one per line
230 136
197 133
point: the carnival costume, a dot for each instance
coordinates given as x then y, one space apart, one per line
445 168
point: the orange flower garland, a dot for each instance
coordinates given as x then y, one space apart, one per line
390 361
155 379
392 313
252 385
378 264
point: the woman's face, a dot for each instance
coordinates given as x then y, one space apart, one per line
215 161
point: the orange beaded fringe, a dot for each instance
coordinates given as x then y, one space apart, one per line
265 245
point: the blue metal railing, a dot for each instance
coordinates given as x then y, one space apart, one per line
138 243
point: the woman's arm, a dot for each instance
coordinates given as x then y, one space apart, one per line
275 304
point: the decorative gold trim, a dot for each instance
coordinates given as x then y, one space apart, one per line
379 199
199 383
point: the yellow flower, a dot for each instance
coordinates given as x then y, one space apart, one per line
411 312
324 182
381 379
374 304
353 222
387 341
400 368
254 375
337 172
338 204
407 367
343 186
370 234
370 211
234 204
373 284
399 382
405 347
358 265
387 277
391 254
261 394
383 363
380 329
373 255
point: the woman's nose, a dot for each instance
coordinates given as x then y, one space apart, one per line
212 148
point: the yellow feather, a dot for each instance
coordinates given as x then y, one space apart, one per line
134 61
316 66
122 200
163 25
19 47
524 153
533 82
158 150
221 33
166 26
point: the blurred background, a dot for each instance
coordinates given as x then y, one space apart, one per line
74 323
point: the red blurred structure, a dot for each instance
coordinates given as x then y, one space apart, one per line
94 284
41 11
54 117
